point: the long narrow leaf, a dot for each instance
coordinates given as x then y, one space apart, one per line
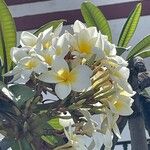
130 26
7 34
55 24
143 44
143 54
94 17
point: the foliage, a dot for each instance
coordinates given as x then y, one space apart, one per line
7 35
130 26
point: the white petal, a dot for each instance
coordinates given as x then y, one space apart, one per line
92 31
49 77
18 53
25 77
83 69
98 140
120 60
62 90
47 34
59 63
108 139
82 81
15 71
78 26
125 85
116 131
62 44
58 30
40 68
121 108
28 39
110 49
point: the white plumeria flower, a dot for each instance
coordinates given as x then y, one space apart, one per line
47 55
104 48
25 67
59 47
84 39
121 105
118 71
77 79
44 39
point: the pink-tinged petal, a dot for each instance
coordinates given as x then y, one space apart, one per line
49 77
62 90
28 39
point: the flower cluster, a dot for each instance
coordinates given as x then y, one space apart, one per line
82 66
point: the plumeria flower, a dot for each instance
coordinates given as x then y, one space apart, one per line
66 80
25 67
43 40
118 72
84 39
104 48
47 55
120 104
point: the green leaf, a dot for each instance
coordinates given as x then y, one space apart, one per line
143 44
55 24
22 93
21 144
54 140
130 26
121 50
7 35
143 54
55 124
50 139
146 92
94 17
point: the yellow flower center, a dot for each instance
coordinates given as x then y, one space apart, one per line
58 51
65 76
85 47
48 58
118 105
46 45
31 64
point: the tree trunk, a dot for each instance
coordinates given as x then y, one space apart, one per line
136 120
